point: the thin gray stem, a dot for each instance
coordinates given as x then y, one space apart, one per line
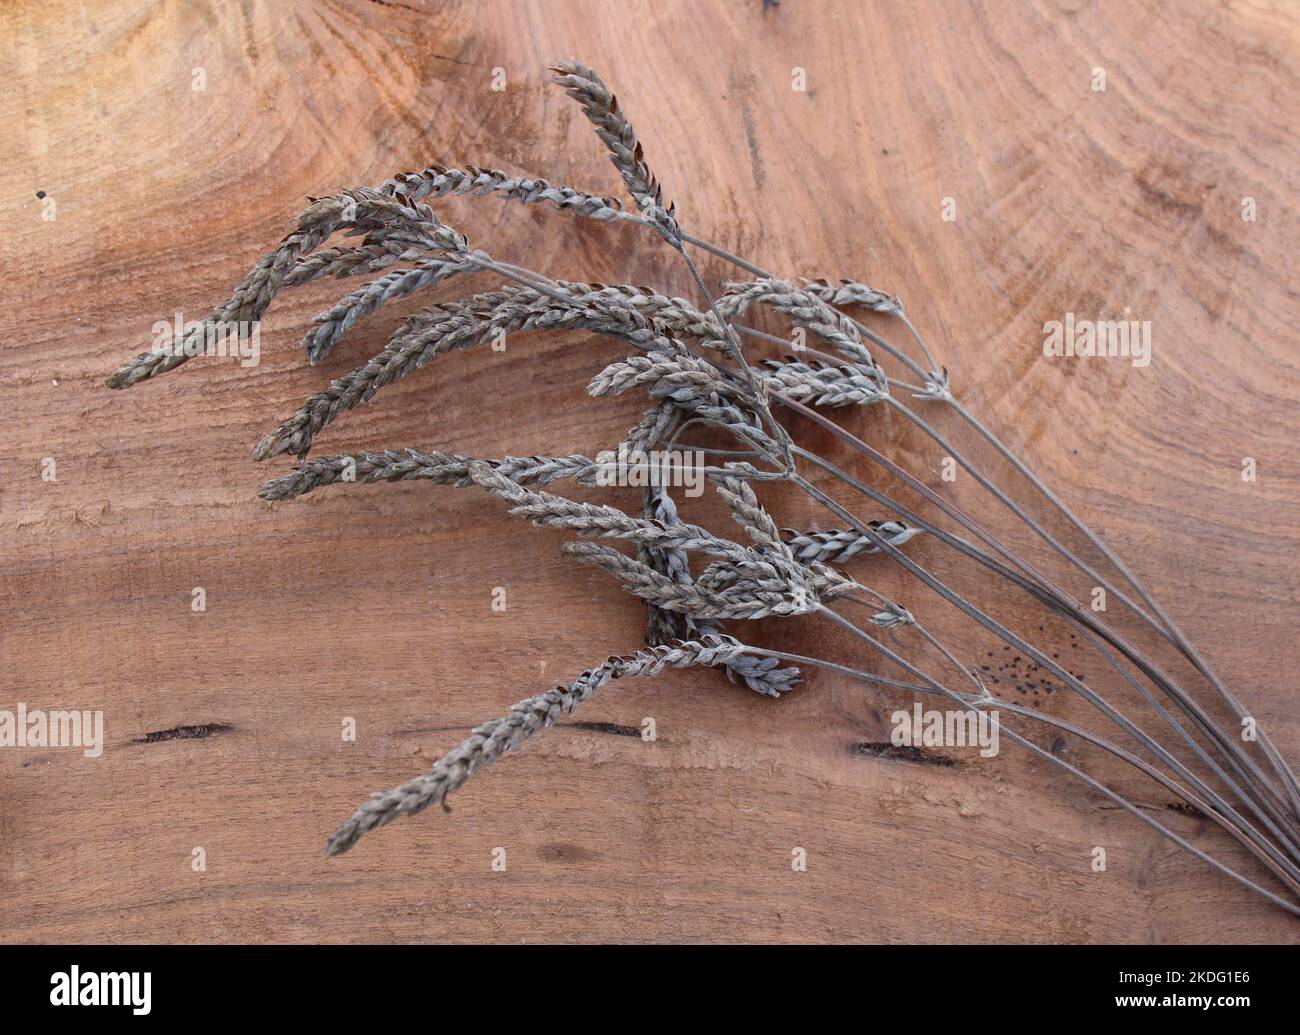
1061 763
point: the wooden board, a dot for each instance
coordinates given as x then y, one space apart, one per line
374 603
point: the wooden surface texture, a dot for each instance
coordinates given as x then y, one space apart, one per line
374 602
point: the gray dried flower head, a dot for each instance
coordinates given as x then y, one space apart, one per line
829 583
379 252
439 181
936 386
393 465
805 308
441 329
764 675
335 322
821 384
851 292
837 545
677 315
547 510
892 615
748 586
454 326
663 626
749 514
673 377
358 209
601 108
491 740
745 424
694 386
762 573
656 424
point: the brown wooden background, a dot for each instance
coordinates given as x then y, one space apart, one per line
374 602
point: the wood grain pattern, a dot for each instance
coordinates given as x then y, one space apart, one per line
374 602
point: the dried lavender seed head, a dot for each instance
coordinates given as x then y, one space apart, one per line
438 181
547 510
747 585
417 465
332 324
805 308
892 615
662 625
838 545
675 377
851 292
829 583
601 108
493 739
936 386
820 384
346 262
357 209
745 509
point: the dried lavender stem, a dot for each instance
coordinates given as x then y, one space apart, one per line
1168 629
1113 749
1224 742
1074 614
1165 627
967 671
989 701
1282 874
1029 651
1095 700
1172 631
1015 508
1122 720
1277 864
1273 813
967 522
1061 763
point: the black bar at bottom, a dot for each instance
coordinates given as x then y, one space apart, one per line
516 985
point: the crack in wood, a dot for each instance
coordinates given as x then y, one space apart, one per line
607 727
209 729
897 753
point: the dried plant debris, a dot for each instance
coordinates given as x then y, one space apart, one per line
690 361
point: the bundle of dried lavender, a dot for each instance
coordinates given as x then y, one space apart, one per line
691 365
